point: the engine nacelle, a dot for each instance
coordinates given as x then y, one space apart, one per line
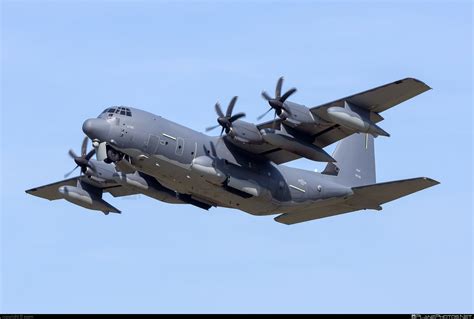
298 115
245 132
353 118
289 143
100 171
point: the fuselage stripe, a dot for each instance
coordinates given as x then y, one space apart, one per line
297 188
169 136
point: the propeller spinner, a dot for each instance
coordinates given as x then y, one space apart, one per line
83 160
278 102
225 121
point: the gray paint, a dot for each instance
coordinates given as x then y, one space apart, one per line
173 163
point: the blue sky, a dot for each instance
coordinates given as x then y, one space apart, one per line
63 62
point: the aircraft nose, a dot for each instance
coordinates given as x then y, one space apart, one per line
96 129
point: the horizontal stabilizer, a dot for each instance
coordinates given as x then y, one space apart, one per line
364 197
313 213
382 193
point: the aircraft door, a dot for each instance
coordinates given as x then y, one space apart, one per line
152 144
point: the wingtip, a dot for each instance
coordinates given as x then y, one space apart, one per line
279 220
432 181
427 87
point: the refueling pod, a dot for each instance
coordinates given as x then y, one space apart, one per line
86 199
352 117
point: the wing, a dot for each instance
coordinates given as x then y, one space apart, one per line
382 98
50 191
375 100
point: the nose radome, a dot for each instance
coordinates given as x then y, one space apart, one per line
96 129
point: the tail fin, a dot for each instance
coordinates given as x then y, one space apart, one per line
355 161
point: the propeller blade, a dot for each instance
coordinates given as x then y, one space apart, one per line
80 161
276 104
212 127
236 117
261 116
90 154
66 175
266 96
225 121
83 160
213 150
219 110
84 147
278 88
274 121
287 94
230 108
72 154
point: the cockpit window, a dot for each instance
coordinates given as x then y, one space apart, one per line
117 110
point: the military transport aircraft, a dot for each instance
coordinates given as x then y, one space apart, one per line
141 153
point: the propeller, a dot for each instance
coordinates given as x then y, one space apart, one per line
83 160
278 102
225 121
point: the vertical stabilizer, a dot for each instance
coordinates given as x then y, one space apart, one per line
355 161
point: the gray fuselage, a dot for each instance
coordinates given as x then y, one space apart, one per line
212 169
